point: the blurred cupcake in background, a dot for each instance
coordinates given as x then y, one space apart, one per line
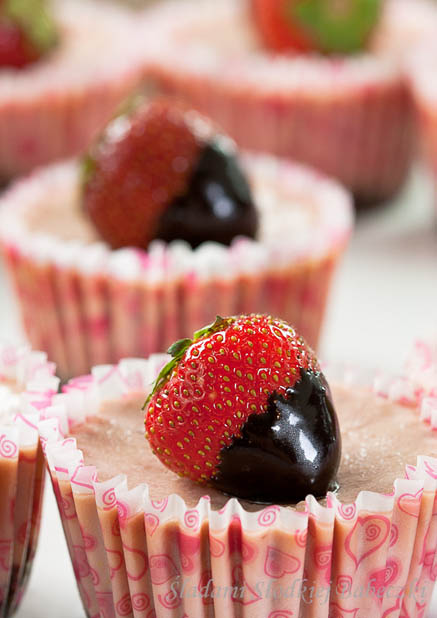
158 229
423 78
243 410
323 86
64 68
27 384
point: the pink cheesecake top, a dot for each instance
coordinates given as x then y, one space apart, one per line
220 44
97 43
302 214
379 438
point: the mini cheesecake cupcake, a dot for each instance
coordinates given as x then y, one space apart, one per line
159 228
27 384
152 530
62 77
422 73
298 80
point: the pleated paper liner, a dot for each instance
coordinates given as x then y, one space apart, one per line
141 558
21 465
53 109
351 117
87 305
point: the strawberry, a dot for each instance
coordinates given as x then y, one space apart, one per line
244 407
328 26
26 32
162 170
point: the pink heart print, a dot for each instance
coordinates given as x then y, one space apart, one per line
367 536
278 563
162 569
410 503
244 593
381 579
217 547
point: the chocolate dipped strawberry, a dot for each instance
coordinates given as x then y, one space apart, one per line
327 26
163 171
27 32
244 407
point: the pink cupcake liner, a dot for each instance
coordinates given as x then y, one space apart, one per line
86 305
351 118
136 557
21 465
54 109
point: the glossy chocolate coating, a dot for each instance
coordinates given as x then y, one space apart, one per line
217 205
288 452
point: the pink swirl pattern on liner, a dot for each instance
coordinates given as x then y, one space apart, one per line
242 554
8 448
394 535
140 602
268 516
20 504
343 585
109 499
301 537
192 519
160 505
124 606
347 511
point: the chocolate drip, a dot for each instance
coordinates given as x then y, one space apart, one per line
217 205
288 452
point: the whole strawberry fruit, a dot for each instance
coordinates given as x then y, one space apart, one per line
244 407
327 26
27 32
163 171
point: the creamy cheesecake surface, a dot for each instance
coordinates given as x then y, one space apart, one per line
379 439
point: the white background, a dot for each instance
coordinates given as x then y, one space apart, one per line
385 297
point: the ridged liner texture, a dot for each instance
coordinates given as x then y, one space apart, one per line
85 304
140 558
53 109
21 465
350 117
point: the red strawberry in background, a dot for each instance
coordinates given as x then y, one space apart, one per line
26 32
327 26
163 171
244 407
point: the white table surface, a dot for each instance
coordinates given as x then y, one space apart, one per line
385 297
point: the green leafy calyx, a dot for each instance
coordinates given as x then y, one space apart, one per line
178 349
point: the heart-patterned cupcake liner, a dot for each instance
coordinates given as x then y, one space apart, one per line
30 383
87 305
351 117
53 109
138 557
